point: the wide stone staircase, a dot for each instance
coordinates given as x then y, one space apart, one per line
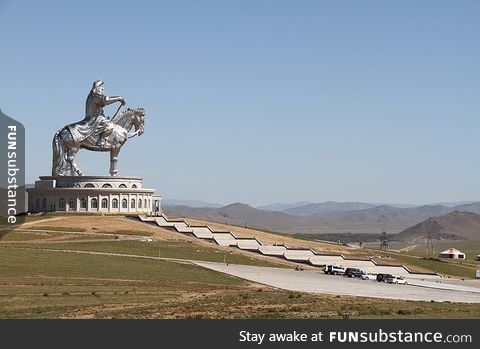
293 254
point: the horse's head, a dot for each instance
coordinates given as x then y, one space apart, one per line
139 120
132 117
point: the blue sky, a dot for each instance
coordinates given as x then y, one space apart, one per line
260 101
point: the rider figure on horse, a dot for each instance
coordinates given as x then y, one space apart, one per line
95 122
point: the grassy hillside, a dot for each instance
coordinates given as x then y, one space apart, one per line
42 284
169 244
69 233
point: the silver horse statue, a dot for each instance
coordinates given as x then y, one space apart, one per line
65 146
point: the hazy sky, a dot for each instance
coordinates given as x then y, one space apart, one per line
260 101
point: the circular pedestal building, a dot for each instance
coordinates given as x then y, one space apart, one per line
93 194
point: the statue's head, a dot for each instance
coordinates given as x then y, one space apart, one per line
98 87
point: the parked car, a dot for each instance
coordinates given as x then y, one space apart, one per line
368 276
333 269
397 280
353 272
383 277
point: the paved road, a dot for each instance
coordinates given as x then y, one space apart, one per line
315 282
455 285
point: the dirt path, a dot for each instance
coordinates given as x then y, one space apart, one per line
28 224
185 261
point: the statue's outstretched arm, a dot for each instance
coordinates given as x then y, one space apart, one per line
113 99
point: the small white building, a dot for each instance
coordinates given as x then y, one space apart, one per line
452 253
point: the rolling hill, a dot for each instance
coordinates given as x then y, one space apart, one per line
455 225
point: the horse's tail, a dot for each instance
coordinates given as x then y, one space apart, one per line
59 161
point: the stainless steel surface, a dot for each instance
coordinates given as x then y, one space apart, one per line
95 132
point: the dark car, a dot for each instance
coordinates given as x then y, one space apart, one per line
383 277
353 272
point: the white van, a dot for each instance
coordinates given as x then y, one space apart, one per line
334 269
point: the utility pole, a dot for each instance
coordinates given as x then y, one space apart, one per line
384 241
429 249
383 237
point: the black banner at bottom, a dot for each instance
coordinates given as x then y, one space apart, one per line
240 333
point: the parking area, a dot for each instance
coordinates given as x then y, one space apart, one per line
318 282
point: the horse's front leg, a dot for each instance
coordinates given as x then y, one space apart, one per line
113 161
71 160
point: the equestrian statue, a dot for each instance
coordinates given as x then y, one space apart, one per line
96 132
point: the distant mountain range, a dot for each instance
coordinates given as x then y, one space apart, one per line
310 208
324 218
278 207
306 208
348 217
189 203
454 204
329 206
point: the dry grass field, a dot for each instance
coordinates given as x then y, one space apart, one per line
39 279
